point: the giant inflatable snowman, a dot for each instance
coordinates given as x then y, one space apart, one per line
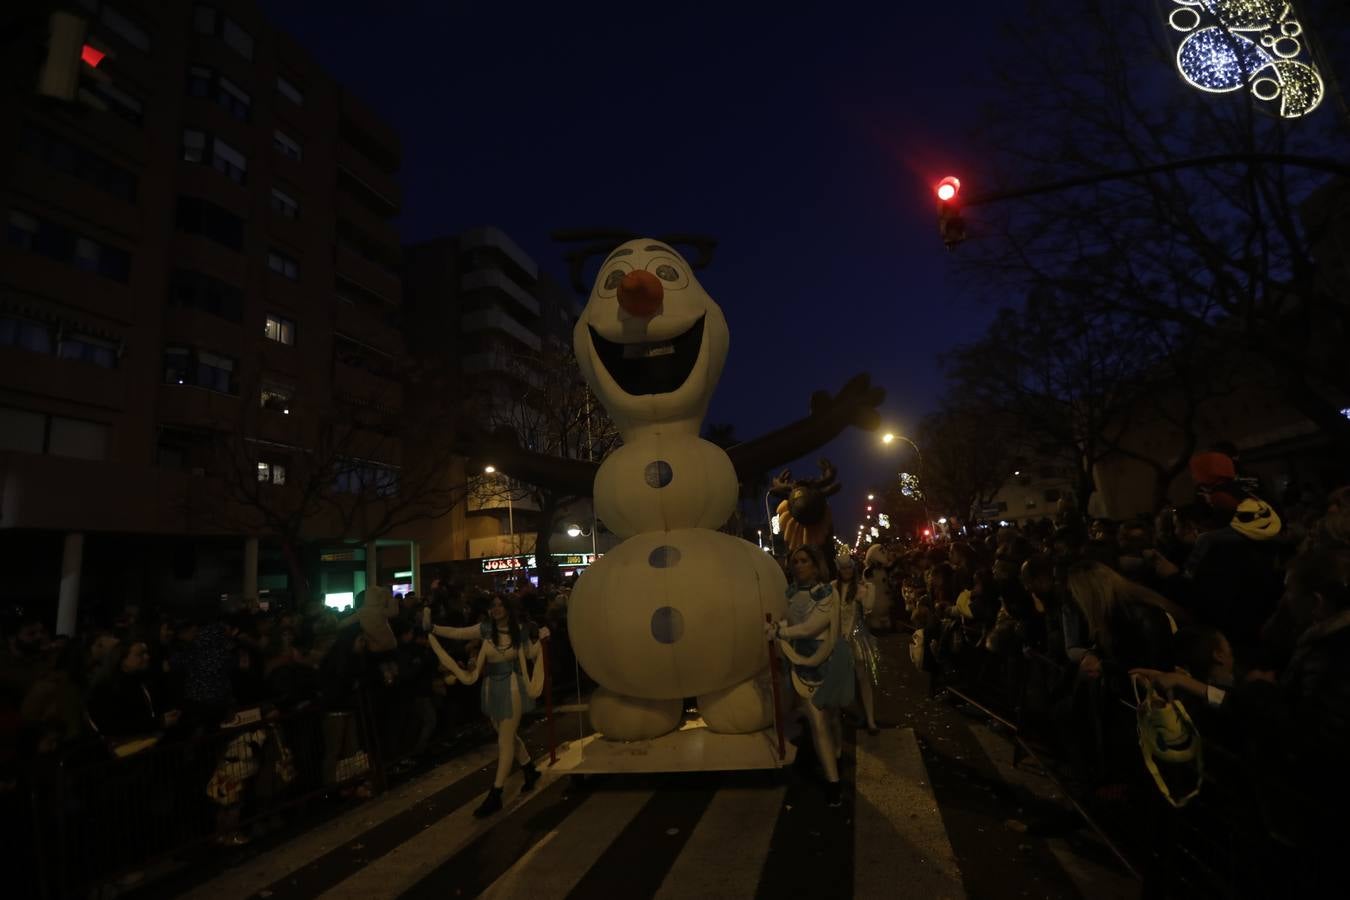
677 609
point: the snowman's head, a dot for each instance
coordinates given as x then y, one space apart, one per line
651 343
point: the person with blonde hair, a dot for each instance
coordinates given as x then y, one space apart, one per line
1122 625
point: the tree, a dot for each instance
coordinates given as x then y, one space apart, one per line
360 469
969 456
1240 246
551 411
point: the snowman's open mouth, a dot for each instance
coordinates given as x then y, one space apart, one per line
650 367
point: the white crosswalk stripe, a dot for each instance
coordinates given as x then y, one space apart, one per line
731 837
553 866
899 837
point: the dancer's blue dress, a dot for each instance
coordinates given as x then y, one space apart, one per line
832 680
497 683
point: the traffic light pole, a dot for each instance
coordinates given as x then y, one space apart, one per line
1331 166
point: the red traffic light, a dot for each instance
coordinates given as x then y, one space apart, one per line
948 188
91 55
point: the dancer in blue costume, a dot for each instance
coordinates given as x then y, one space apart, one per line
508 691
819 659
854 596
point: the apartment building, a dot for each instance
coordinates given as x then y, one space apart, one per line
479 301
200 247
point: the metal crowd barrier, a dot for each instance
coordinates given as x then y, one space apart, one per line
99 822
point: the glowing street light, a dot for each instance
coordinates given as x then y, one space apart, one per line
573 531
887 438
488 470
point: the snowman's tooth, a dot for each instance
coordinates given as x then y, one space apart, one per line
648 350
660 350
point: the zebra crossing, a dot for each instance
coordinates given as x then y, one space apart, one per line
704 835
905 828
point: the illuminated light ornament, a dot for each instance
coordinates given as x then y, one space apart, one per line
1219 59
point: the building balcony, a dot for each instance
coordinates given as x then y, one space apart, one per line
496 320
39 276
380 187
379 229
367 275
497 363
63 191
491 280
488 236
370 325
367 388
46 375
194 328
194 407
200 180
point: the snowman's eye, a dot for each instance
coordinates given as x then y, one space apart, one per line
669 270
667 273
613 279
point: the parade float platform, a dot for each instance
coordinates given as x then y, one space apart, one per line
691 748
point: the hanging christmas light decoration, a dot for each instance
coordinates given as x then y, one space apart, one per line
1254 44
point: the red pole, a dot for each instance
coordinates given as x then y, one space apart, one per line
777 703
548 702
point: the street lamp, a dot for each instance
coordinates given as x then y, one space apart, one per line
889 438
573 531
510 513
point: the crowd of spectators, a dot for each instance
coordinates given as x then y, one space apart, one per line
254 698
1237 610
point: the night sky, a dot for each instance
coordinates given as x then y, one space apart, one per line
805 141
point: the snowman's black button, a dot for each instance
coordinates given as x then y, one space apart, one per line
658 474
664 557
667 625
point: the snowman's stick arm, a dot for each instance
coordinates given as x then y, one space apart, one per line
573 477
855 404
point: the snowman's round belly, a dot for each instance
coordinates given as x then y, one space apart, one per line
675 613
665 481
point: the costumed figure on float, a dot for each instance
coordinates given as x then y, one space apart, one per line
509 690
853 615
677 609
819 658
876 572
804 511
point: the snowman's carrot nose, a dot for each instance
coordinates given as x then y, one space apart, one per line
640 294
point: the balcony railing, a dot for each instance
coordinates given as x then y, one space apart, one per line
496 320
493 280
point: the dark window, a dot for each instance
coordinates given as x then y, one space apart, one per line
60 243
288 90
202 368
198 216
1051 496
287 146
211 21
79 162
25 334
283 265
200 147
92 350
209 84
284 204
361 478
118 23
119 102
193 290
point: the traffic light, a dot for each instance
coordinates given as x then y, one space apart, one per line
71 55
950 224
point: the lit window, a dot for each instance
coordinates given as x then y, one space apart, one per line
290 91
287 146
276 398
280 329
284 204
270 472
283 265
177 365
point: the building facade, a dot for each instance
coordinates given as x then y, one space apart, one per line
200 247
